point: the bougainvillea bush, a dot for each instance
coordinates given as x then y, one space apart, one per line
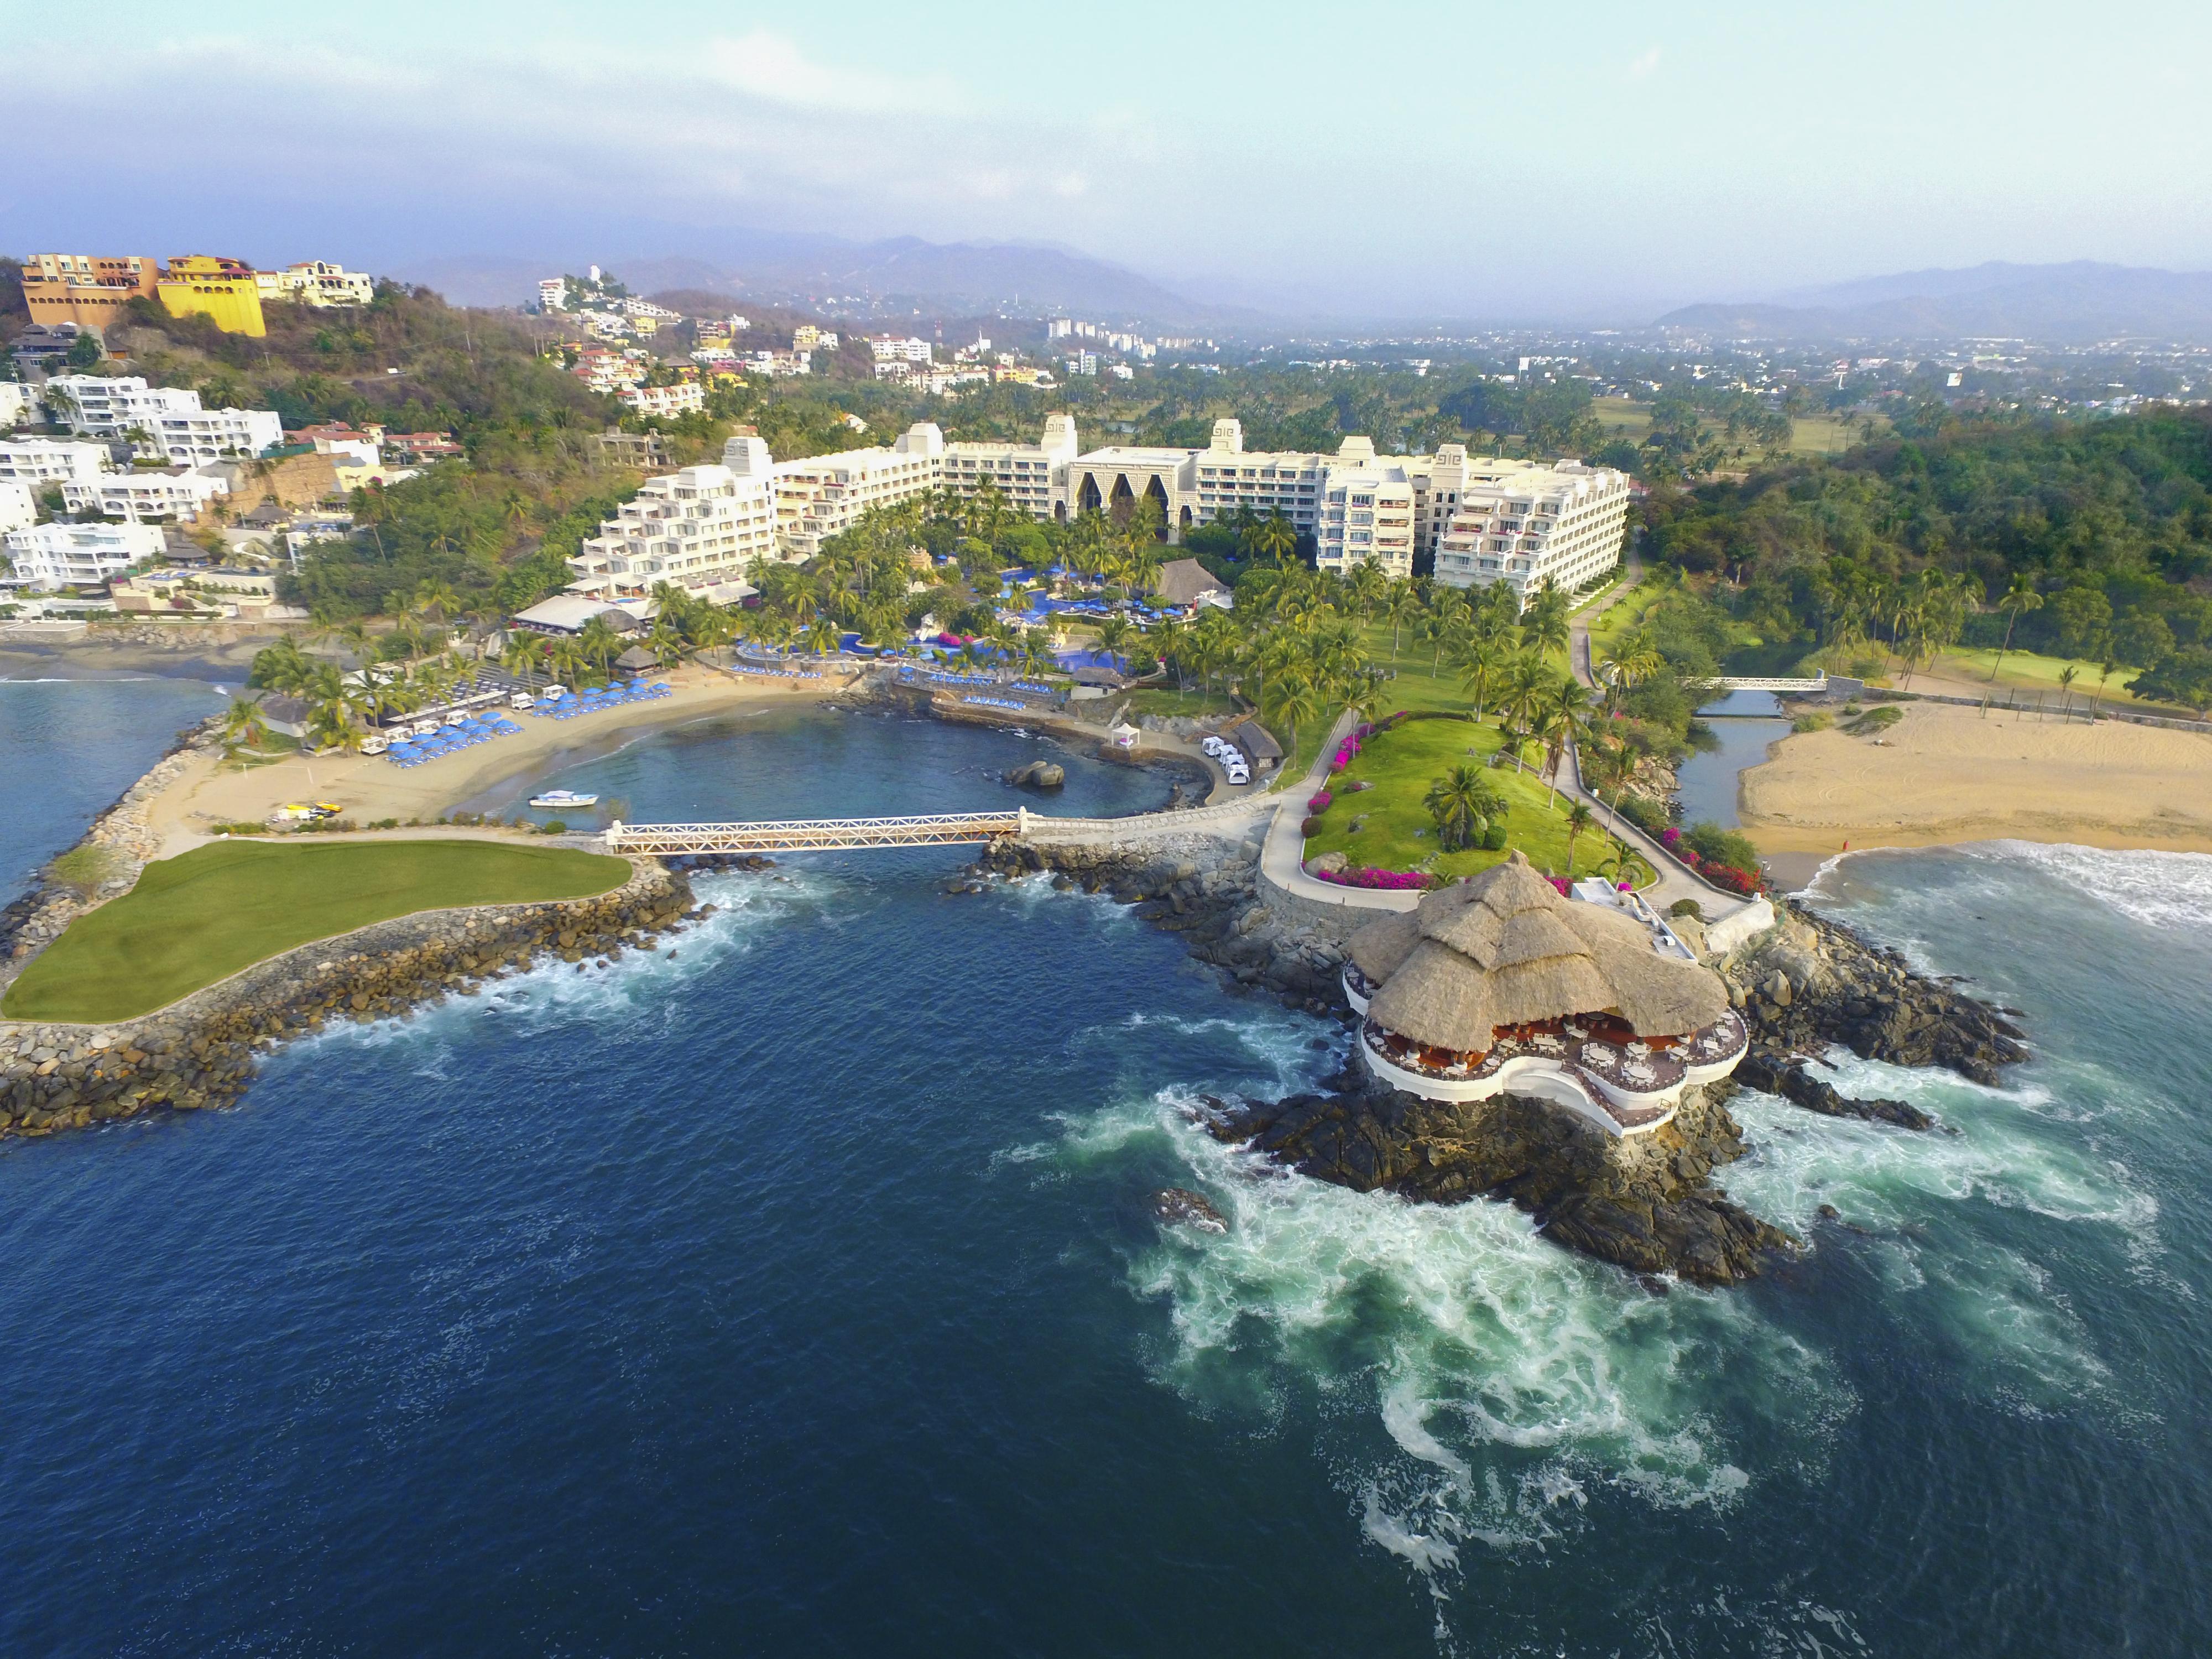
1381 881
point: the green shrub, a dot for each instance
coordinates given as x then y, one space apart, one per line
1718 845
1813 720
1493 839
1647 815
1875 720
1687 906
85 868
554 827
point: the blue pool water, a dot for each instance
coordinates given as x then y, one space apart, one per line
799 1293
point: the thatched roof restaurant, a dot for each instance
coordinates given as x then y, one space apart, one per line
1502 982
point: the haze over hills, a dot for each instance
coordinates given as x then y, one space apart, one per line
2079 301
970 277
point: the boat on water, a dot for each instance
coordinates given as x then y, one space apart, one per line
563 797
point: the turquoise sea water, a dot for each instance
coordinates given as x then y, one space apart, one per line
799 1293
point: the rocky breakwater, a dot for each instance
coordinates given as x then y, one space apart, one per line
1207 889
1808 982
1644 1202
201 1052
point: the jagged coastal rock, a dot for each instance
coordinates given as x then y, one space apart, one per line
1642 1202
1038 775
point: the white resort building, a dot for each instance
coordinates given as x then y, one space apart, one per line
1501 983
39 461
1563 523
698 528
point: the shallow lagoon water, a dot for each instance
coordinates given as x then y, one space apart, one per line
799 1292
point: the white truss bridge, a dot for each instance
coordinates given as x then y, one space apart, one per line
1816 685
816 835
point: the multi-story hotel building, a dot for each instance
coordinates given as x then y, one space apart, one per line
698 528
316 283
50 555
195 434
825 495
1367 515
1562 524
95 406
85 288
1027 474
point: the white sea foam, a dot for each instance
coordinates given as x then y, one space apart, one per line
2160 890
1477 1382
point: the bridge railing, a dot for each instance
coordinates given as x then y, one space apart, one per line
1818 683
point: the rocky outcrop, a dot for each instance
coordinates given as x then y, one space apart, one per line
1179 1207
201 1052
1794 1081
1207 890
1809 982
1038 775
1644 1202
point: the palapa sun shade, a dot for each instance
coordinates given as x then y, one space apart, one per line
1506 949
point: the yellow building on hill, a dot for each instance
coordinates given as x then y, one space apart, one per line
226 290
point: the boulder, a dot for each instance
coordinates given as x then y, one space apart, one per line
1038 775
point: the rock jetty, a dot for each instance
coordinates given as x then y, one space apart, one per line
201 1052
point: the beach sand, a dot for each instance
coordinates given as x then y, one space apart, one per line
1945 775
368 787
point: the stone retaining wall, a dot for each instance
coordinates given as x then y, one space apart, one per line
200 1052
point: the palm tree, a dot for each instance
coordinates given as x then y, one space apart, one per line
2066 676
1579 818
1544 625
1526 679
599 642
822 635
1113 634
1481 663
244 722
2106 664
1274 539
1464 804
1562 715
1294 700
2020 596
1403 605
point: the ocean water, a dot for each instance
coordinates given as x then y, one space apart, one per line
799 1292
69 748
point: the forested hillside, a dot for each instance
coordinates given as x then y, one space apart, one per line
2085 540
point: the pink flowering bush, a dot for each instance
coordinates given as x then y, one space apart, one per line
1559 882
1319 802
1381 881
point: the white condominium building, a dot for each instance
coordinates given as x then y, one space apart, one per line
50 555
37 461
316 283
98 407
20 406
1029 476
140 497
698 528
825 495
19 508
194 435
1563 523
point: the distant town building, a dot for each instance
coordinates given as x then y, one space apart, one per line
41 462
52 556
88 290
807 337
147 497
316 283
225 291
553 293
688 398
889 349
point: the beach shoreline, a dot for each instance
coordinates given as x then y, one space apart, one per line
1943 775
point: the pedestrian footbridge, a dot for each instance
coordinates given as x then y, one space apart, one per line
1810 688
814 835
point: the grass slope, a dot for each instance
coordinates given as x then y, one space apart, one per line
1402 764
194 919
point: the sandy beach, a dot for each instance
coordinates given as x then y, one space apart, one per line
367 788
1946 774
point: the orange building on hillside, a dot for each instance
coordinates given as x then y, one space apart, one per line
85 288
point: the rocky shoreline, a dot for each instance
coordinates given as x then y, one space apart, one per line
202 1051
1646 1203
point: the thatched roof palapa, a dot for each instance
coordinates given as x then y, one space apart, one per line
1507 949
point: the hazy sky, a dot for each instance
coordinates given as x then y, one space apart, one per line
1471 160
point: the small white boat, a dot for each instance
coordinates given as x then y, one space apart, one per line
556 797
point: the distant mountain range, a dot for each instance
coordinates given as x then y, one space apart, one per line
2064 304
901 273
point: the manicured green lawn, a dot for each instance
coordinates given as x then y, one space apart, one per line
194 919
1167 703
2030 673
1402 764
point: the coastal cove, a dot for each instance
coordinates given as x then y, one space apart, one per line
821 1255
